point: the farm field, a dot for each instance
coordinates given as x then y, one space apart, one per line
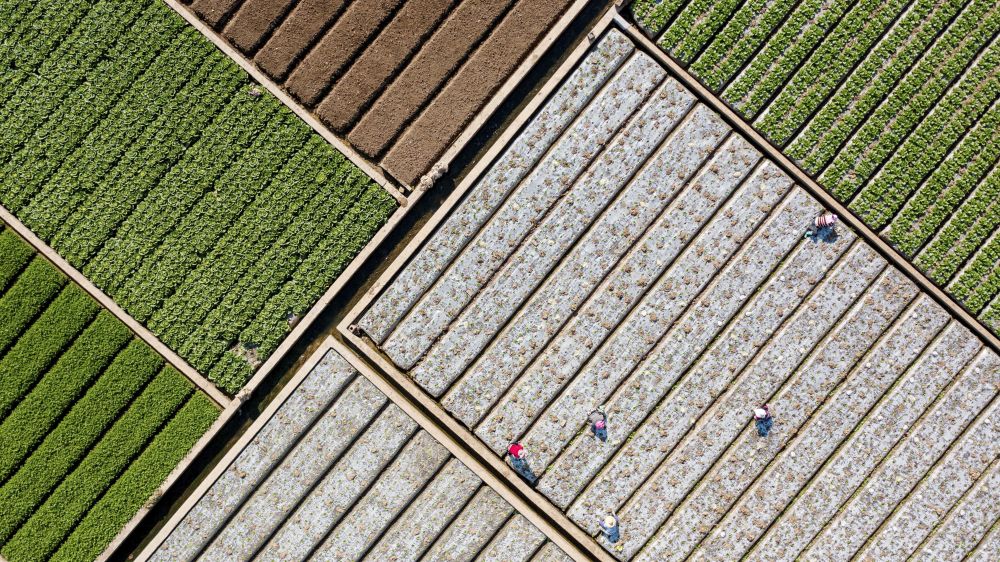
891 106
399 81
340 472
627 250
91 418
205 208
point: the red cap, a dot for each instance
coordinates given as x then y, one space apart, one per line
515 450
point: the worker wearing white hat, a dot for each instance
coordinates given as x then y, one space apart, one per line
609 526
763 420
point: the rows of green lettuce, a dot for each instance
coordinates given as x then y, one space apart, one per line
890 104
148 160
91 419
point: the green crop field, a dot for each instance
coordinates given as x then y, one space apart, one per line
890 105
147 159
91 420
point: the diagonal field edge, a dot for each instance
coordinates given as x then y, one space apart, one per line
799 176
106 302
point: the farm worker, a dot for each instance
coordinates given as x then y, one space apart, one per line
762 418
823 227
609 526
519 462
599 425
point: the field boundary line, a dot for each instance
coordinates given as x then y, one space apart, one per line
471 451
406 203
811 186
290 340
111 306
230 455
513 81
373 171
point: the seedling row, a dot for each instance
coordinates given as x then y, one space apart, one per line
148 160
891 106
92 420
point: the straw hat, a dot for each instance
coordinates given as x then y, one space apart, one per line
610 521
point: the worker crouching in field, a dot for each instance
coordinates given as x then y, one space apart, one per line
763 420
610 528
599 425
824 228
519 462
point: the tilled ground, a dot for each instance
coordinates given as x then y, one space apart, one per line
399 80
340 472
629 251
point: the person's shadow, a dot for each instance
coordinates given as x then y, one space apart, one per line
826 234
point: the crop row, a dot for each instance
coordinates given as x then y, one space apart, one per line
41 528
139 171
735 43
873 80
930 142
95 37
139 481
164 210
317 271
77 433
36 29
80 364
908 103
777 62
654 14
42 343
948 187
965 232
70 421
695 25
27 298
833 59
215 289
174 189
109 146
14 256
979 281
38 156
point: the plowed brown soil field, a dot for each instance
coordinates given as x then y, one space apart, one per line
397 79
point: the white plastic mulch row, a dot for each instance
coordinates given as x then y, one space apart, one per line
526 206
658 268
428 515
858 457
972 456
575 213
899 473
613 312
796 400
472 529
334 495
551 553
304 465
517 541
659 368
389 494
968 521
778 355
760 313
988 549
560 345
820 437
519 158
341 473
253 464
